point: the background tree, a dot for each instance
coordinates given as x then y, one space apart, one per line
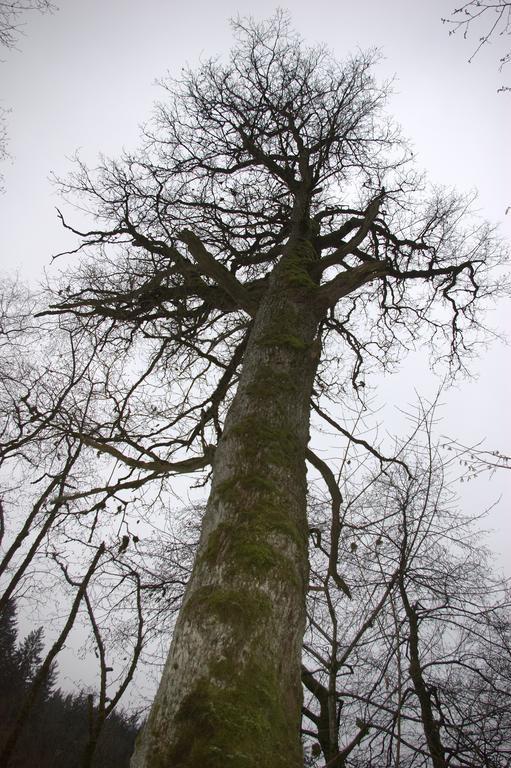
56 732
9 671
405 672
45 393
489 20
11 15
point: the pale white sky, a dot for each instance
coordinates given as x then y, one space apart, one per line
84 78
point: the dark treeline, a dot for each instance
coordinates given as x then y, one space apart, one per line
56 732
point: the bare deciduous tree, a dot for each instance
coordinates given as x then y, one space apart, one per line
268 244
487 20
406 672
11 15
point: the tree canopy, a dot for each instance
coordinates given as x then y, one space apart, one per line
278 140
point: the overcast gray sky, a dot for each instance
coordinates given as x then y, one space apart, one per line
84 79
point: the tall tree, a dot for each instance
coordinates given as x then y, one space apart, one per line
11 685
268 242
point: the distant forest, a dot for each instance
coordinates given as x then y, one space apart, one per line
56 733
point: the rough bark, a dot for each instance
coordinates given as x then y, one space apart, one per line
231 692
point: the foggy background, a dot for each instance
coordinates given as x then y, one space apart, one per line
83 79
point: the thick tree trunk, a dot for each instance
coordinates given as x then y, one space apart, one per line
231 692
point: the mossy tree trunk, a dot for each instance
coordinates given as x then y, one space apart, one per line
231 693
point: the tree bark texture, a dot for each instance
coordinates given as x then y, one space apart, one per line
231 693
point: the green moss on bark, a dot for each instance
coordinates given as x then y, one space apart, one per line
295 266
271 383
281 339
229 490
241 609
256 533
244 549
235 718
272 444
265 514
